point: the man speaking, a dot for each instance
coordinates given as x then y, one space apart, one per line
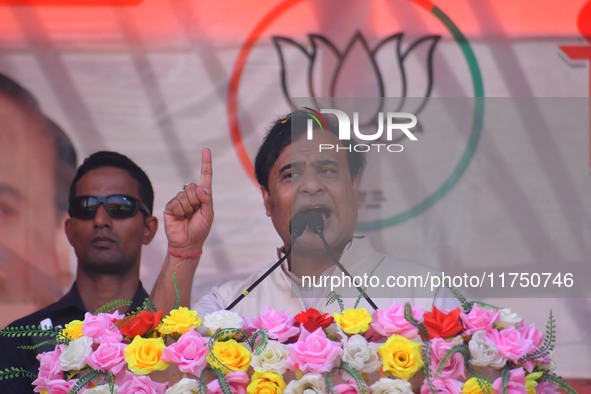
314 190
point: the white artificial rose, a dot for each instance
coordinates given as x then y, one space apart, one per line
74 354
507 318
484 353
391 386
222 319
273 358
102 389
312 383
361 355
184 386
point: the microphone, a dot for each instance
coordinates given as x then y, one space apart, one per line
316 224
297 226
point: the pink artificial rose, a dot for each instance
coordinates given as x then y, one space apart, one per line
391 321
478 319
61 386
109 356
531 333
141 384
314 352
442 386
49 368
454 368
280 325
101 327
188 353
510 343
346 388
237 381
547 388
516 382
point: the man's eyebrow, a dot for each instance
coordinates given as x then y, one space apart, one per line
10 190
289 166
327 162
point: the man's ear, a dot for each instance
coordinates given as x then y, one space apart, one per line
150 228
68 230
266 200
62 248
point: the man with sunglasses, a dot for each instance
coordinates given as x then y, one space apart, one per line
110 219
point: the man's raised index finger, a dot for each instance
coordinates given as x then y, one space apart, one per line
206 168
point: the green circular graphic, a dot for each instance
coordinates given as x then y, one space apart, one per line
460 168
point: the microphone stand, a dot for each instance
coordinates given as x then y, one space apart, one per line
297 227
316 224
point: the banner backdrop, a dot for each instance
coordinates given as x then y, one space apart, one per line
158 81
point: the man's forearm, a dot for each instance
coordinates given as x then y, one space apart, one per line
164 294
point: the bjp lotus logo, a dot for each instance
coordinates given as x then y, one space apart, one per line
384 74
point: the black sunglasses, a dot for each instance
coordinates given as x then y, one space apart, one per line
118 206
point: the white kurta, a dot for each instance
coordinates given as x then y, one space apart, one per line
281 290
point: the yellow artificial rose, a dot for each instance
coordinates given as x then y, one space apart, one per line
229 355
266 383
353 321
531 382
472 386
179 321
143 355
73 330
401 357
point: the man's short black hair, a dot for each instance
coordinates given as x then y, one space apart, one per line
287 129
117 160
65 154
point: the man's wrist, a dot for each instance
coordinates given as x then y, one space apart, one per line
191 253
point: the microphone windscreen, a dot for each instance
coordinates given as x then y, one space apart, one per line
297 225
315 221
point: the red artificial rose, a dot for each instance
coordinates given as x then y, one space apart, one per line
442 325
139 323
312 319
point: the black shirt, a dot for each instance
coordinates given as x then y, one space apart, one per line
68 308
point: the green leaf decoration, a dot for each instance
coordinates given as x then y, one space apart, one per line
220 335
224 385
426 354
111 381
85 379
113 305
177 294
335 297
39 345
505 380
12 372
485 385
483 382
29 331
547 346
362 294
148 306
420 326
485 305
201 381
464 303
356 375
462 349
257 349
558 381
359 381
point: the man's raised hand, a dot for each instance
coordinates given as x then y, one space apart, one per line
189 215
